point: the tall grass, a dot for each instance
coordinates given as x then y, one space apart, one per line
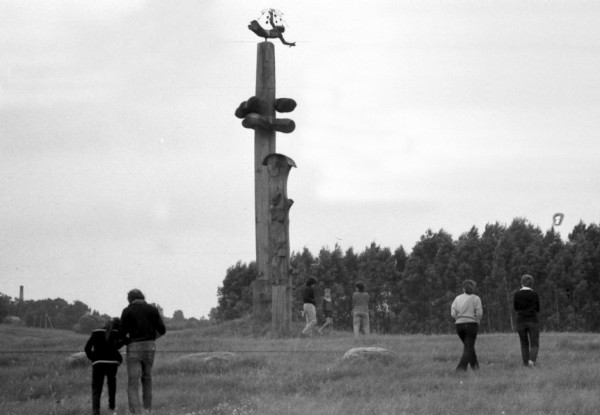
309 376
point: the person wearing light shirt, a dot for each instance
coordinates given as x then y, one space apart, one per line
467 311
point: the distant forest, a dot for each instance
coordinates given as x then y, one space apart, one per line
77 316
412 292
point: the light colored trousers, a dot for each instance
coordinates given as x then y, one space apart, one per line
361 318
140 358
310 312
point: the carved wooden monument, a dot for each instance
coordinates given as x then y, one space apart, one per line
272 290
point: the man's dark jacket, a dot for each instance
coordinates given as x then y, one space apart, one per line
141 321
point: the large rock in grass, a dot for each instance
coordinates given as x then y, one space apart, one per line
78 359
208 358
370 353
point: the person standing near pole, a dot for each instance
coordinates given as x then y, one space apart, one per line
467 311
360 310
141 324
310 311
327 310
527 305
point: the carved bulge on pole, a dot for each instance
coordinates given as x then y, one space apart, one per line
272 288
279 167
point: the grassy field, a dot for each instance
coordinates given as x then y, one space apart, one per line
308 376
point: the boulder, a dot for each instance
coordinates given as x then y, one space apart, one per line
368 353
209 358
78 359
13 320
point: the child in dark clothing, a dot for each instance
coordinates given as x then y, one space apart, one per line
102 349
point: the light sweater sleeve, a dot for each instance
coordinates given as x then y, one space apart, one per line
478 310
453 310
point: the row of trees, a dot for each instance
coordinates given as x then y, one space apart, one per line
412 292
59 314
50 313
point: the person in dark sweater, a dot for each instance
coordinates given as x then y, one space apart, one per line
310 310
527 305
102 349
141 324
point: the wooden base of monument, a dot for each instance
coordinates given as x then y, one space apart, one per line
282 310
261 301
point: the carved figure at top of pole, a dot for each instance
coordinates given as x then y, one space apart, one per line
270 25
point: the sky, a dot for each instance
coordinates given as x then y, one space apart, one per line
122 165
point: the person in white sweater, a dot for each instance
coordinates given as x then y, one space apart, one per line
467 311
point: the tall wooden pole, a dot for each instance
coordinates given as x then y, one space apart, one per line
264 144
271 290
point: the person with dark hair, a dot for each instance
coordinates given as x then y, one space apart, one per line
102 349
360 310
141 324
467 311
527 305
310 311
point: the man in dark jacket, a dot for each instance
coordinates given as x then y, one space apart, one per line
527 305
141 325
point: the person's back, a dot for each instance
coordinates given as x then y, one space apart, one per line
527 305
466 308
360 301
141 321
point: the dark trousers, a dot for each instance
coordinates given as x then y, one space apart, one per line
529 336
99 372
467 332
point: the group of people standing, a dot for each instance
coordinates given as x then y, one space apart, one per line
467 311
138 327
360 310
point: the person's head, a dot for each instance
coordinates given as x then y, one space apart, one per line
135 294
111 325
311 281
469 286
360 286
327 292
527 280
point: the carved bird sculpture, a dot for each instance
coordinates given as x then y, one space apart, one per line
270 26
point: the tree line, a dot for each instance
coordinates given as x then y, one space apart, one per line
77 316
412 292
50 313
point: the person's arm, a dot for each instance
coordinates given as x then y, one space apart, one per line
453 310
125 328
478 310
161 329
117 339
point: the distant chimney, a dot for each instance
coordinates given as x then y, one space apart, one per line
21 293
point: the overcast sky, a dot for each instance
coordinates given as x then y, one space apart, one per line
122 164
